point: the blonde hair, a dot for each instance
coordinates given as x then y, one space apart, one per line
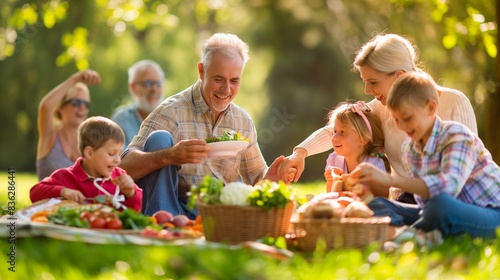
412 89
229 45
345 113
95 131
70 94
387 54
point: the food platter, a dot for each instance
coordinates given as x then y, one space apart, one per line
59 223
225 149
88 235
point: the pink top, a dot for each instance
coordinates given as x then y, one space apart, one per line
75 177
339 161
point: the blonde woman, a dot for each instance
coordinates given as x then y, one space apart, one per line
60 113
380 62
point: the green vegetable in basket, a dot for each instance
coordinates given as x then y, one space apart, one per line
208 191
268 195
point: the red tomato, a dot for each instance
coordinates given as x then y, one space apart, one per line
113 223
85 216
96 222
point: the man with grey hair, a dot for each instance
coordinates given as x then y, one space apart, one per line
145 84
170 153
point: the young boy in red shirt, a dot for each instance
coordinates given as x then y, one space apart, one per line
100 142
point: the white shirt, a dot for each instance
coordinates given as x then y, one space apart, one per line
453 105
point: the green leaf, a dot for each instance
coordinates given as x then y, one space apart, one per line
134 220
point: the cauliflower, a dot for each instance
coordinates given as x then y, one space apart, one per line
235 193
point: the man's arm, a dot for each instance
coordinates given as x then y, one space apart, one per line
138 163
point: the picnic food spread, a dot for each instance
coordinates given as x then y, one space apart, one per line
162 225
233 214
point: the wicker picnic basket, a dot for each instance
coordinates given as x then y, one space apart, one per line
235 224
340 232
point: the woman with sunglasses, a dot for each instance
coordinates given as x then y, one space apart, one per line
60 113
380 62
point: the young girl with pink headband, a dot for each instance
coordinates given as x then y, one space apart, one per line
357 137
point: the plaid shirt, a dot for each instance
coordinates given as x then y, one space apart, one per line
186 115
454 161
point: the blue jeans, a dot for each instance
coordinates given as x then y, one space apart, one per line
443 212
160 187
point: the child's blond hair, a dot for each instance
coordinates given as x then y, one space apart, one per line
412 89
95 131
347 114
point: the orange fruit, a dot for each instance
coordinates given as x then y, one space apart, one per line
197 227
40 214
40 219
198 219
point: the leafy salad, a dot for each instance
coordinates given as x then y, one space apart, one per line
265 194
229 135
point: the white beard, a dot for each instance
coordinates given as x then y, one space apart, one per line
144 106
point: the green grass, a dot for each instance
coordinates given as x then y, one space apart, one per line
45 258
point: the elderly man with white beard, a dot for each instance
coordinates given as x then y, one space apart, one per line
145 84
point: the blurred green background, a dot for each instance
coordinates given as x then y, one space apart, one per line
300 66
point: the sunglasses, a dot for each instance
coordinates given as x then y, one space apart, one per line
75 102
149 84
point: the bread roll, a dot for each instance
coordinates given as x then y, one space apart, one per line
357 209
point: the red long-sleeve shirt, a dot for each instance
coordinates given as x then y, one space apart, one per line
75 177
